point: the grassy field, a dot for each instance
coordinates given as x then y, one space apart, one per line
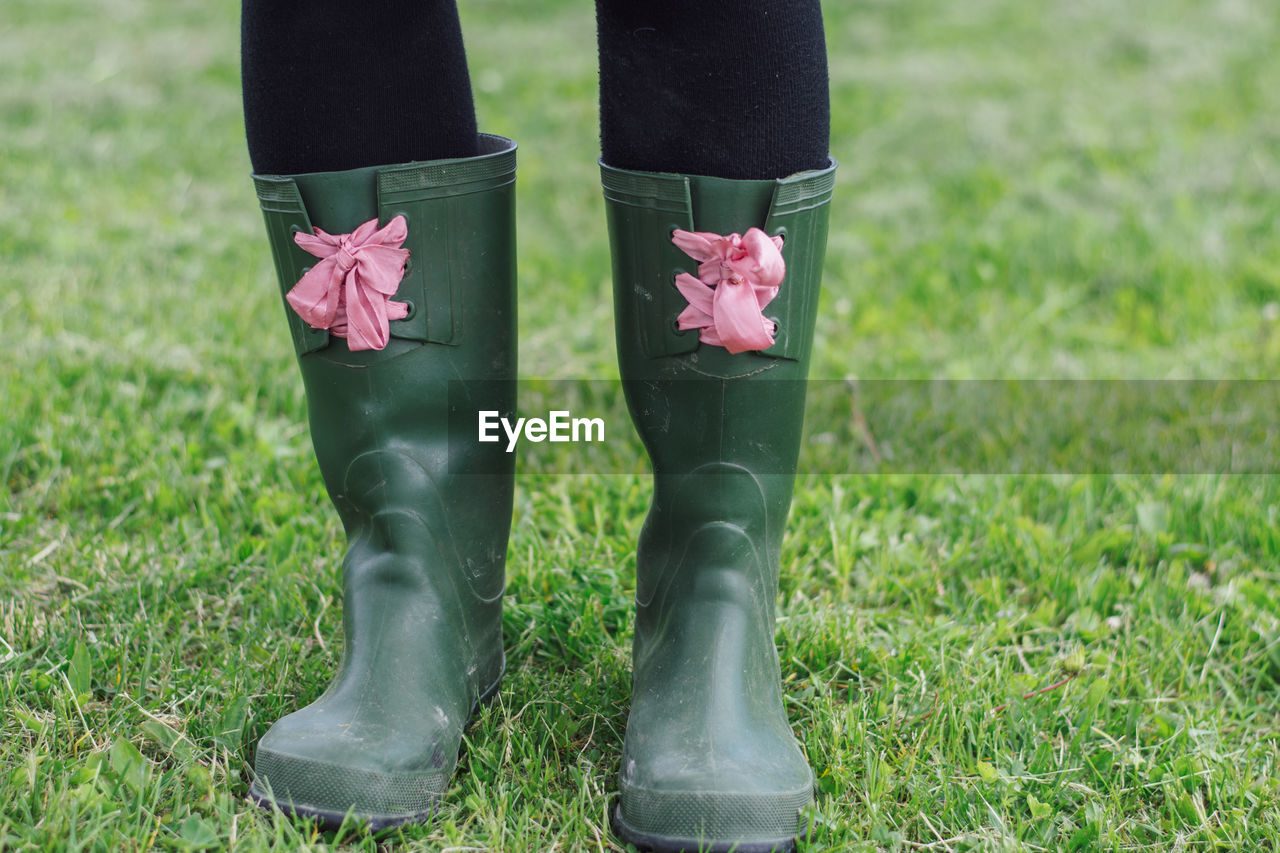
1045 189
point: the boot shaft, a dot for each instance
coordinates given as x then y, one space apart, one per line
722 430
701 411
401 466
456 349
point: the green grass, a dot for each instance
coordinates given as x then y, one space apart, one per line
1061 190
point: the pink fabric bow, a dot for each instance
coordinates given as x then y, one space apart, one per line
738 276
349 292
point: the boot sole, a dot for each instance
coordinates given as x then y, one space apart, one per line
332 820
664 844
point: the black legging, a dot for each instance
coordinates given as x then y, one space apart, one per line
730 88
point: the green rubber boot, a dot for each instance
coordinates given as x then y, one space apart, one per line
710 762
426 518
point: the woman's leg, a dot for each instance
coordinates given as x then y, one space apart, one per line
331 85
714 118
380 258
729 88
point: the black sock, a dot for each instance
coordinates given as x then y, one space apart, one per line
331 85
728 88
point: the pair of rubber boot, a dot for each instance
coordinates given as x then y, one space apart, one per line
710 761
